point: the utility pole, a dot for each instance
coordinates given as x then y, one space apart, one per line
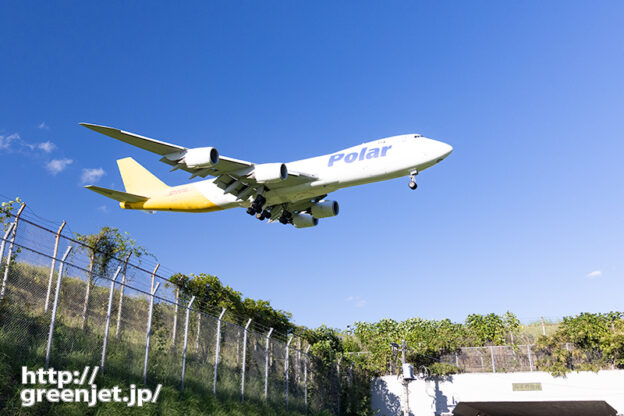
395 346
406 412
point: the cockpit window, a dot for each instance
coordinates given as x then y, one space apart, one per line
417 136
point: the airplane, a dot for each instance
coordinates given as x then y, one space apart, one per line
291 193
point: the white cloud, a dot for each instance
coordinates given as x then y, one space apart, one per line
46 146
43 126
58 165
5 141
357 300
102 208
594 275
15 143
91 175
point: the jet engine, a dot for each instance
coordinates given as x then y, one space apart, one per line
324 209
304 220
269 172
200 157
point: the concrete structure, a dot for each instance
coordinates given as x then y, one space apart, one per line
526 393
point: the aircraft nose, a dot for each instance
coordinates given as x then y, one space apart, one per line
442 150
446 149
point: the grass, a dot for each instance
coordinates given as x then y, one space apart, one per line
23 336
529 333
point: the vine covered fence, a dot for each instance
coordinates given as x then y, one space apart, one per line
514 358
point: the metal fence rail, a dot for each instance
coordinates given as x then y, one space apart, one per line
135 324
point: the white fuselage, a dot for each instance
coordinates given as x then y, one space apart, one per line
379 160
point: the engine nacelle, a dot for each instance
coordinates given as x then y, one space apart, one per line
304 220
201 157
324 209
269 172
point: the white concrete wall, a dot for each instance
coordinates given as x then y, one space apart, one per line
435 397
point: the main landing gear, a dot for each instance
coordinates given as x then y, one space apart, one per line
256 206
412 184
263 215
285 218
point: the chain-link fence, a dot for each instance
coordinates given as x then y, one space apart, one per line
59 307
511 358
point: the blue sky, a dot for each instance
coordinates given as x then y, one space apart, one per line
528 93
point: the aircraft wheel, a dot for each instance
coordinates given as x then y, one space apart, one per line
283 220
266 214
260 216
251 211
413 185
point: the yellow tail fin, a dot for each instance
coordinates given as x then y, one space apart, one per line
137 179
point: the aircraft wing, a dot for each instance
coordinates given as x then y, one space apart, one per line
230 172
225 164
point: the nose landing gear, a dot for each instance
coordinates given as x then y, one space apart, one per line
412 184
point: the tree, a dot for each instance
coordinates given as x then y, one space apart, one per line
210 294
208 290
103 248
261 312
597 340
325 343
6 209
6 214
486 329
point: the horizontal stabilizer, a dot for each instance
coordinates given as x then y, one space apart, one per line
117 195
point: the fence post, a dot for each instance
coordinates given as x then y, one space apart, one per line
149 331
543 326
10 254
530 359
186 324
175 318
121 294
217 351
492 355
4 240
108 316
456 359
266 365
305 377
568 349
56 244
338 382
286 366
154 275
55 305
199 316
244 361
298 365
351 375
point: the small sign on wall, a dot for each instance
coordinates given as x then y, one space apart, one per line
526 386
